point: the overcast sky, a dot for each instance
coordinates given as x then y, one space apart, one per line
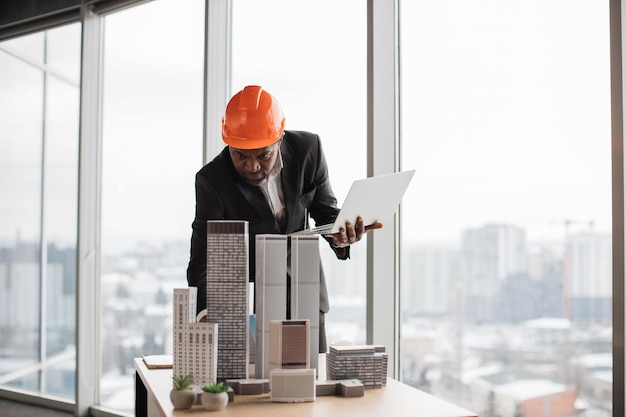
505 108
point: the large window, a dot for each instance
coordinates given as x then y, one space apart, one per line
505 231
151 149
316 68
506 272
39 86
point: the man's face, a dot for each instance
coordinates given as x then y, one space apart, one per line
254 165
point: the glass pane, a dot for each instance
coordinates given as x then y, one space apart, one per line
321 85
31 48
506 260
60 229
152 147
60 56
39 211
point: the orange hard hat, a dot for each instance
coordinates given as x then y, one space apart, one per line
253 119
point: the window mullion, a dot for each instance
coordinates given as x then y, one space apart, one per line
382 157
88 250
617 146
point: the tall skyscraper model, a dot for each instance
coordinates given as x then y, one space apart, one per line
227 294
304 265
195 344
280 298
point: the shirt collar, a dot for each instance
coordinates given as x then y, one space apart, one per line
278 166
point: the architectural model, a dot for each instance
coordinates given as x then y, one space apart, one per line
290 344
350 388
292 385
287 288
227 295
344 388
271 285
367 363
249 386
305 287
195 344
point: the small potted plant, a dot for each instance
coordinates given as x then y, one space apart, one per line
182 394
214 396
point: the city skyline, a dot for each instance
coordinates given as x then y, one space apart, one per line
146 281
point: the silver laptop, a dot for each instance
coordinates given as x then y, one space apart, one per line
375 199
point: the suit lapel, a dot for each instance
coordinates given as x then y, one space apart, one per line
290 177
257 200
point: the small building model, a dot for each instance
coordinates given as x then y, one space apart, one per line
344 388
249 386
195 344
367 363
227 294
289 344
350 388
292 385
325 388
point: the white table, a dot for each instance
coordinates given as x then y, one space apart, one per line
396 399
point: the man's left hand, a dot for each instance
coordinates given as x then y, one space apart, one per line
352 233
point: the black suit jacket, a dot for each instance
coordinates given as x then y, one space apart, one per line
221 194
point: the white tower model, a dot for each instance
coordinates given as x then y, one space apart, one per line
278 299
305 287
271 294
227 295
195 344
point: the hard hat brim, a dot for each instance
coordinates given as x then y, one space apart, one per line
249 143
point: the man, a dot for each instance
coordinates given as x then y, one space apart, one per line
270 177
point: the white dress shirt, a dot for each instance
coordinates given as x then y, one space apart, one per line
272 189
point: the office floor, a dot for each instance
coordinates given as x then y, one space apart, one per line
10 408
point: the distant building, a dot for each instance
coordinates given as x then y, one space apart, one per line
588 287
489 255
195 344
530 398
593 375
227 295
510 395
429 287
525 298
20 267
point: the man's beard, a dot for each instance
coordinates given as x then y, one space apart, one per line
257 178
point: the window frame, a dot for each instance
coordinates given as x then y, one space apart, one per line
617 191
383 156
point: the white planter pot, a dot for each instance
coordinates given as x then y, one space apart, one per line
214 401
184 399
